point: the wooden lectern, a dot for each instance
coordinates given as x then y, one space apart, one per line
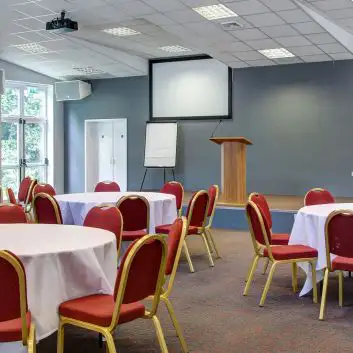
233 168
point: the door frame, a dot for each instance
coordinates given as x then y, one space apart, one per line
105 120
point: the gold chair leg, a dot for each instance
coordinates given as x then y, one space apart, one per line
210 259
267 285
110 345
32 339
294 277
267 261
212 241
340 288
60 342
176 324
251 274
323 296
313 276
160 334
188 258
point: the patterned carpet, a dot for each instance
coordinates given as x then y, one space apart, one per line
216 317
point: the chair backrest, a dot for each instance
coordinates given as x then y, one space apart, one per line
11 196
107 186
197 209
10 213
107 217
135 210
141 273
213 192
46 188
176 189
318 196
25 192
259 229
13 291
338 234
46 209
261 202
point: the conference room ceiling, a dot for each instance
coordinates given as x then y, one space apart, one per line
164 27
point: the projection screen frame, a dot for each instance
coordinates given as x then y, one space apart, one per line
195 118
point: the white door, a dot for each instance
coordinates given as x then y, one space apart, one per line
105 152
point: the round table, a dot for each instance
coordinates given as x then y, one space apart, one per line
309 229
62 262
74 207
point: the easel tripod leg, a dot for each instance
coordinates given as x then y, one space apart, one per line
143 180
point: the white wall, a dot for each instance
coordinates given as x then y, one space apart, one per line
17 73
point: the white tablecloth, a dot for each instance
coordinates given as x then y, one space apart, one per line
61 263
74 207
309 229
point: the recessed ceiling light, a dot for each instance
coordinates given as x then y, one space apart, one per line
174 48
121 31
277 53
215 12
33 48
88 70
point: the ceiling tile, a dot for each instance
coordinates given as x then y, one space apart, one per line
316 58
265 62
332 48
249 34
294 41
346 21
320 38
263 44
33 36
278 5
249 55
248 7
341 13
196 3
308 27
31 23
341 56
137 8
235 47
333 4
226 57
33 9
294 16
159 19
163 5
306 50
279 31
184 16
285 61
237 64
263 20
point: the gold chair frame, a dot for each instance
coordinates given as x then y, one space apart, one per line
28 338
259 249
149 314
328 268
134 197
54 203
28 205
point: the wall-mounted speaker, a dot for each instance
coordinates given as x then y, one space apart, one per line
2 81
72 90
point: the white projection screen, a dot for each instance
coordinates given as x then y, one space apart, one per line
190 88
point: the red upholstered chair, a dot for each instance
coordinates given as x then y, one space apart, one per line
279 254
339 242
11 196
140 275
46 209
107 186
176 189
277 238
10 213
196 215
318 196
136 216
107 217
46 188
15 318
25 192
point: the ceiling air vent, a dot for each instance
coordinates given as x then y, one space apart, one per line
232 25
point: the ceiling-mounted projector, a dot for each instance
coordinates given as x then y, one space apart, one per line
62 24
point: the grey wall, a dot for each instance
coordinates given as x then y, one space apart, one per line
299 118
17 73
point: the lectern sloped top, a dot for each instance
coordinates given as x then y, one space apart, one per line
220 140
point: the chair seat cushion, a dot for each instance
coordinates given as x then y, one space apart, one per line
131 235
280 239
163 229
342 263
11 330
193 230
98 309
290 252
